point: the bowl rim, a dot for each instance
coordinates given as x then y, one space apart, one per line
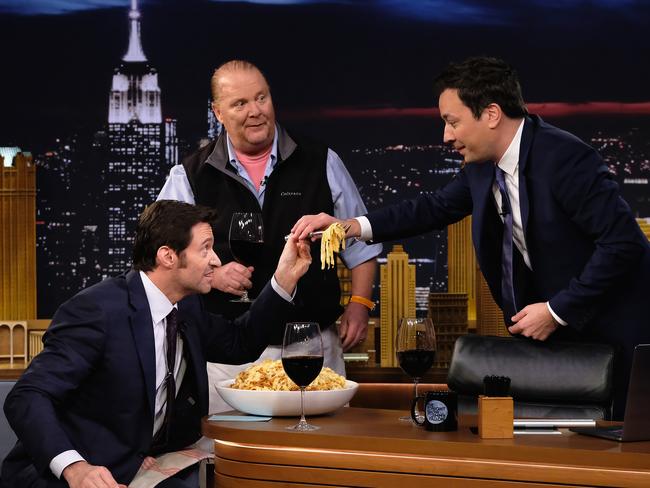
225 384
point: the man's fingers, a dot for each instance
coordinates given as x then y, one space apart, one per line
519 315
352 335
235 290
515 329
343 330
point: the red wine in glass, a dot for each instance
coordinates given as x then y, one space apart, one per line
302 369
246 239
246 252
416 362
416 349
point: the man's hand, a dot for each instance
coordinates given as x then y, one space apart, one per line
84 475
534 321
232 278
311 223
294 262
354 325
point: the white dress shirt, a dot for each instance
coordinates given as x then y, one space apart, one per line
509 163
160 307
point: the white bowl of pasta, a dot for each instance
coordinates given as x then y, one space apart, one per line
285 403
264 389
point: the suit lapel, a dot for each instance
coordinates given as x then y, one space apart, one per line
142 330
486 232
524 150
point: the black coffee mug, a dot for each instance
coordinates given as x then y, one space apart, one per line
440 411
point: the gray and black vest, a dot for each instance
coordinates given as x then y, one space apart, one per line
298 186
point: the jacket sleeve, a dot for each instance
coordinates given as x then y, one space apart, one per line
242 340
73 344
426 212
586 191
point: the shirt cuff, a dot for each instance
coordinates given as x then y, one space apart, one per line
280 291
555 316
366 228
63 460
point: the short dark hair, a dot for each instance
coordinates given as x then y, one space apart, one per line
166 223
481 81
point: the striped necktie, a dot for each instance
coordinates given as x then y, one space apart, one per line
171 333
507 288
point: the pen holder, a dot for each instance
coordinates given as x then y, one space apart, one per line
495 417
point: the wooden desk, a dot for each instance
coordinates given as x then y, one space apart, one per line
371 448
368 374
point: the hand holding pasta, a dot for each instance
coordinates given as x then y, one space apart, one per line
332 240
269 375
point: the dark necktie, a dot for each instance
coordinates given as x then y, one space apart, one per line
507 288
171 333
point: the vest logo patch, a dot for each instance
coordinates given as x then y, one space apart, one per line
291 194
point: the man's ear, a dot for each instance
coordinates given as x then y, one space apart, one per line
217 112
166 257
494 115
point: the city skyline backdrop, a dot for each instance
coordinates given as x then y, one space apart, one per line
356 75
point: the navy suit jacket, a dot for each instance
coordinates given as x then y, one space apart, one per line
588 255
92 388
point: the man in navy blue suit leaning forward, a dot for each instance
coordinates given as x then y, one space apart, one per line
558 246
122 375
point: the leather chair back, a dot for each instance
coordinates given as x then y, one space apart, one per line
548 379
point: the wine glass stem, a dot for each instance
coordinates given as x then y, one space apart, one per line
415 392
244 297
302 406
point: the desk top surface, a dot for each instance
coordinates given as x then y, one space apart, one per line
375 430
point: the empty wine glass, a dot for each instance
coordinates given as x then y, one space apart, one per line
416 349
246 239
302 360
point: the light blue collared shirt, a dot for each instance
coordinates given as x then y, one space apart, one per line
345 196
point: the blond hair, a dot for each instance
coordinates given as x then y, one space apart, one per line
230 67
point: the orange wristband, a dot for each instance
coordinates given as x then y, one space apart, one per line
363 301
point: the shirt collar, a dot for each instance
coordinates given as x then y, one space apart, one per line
232 157
510 159
159 304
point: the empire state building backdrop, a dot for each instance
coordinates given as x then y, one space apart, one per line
356 75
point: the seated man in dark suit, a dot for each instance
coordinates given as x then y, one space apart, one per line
558 246
122 374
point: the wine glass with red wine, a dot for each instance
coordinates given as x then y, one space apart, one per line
416 349
246 241
302 360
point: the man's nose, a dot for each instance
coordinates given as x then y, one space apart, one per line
254 110
214 260
448 135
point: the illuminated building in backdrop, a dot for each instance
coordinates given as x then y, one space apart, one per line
397 300
142 147
17 235
464 276
17 251
448 312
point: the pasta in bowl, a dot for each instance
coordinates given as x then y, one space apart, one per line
264 389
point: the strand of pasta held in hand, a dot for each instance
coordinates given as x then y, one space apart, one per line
332 240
